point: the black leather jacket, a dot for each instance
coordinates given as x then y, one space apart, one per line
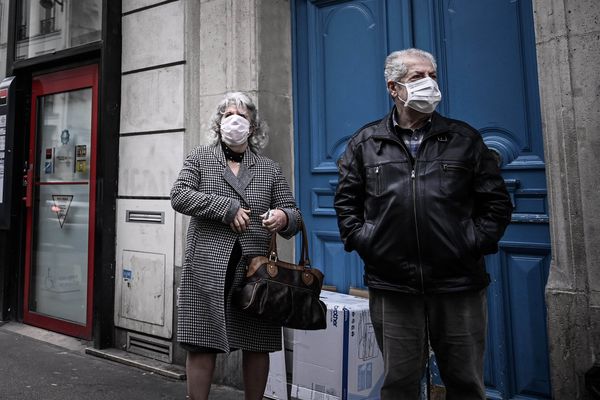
422 225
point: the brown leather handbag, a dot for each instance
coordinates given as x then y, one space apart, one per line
283 293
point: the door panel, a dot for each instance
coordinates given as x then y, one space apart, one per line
516 364
59 264
60 202
487 73
486 56
487 61
342 40
335 45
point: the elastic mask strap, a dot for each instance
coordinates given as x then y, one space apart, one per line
398 96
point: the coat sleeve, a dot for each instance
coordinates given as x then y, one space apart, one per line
187 199
492 206
349 196
282 198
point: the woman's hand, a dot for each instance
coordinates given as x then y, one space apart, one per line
241 220
274 220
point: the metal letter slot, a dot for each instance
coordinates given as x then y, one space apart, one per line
148 217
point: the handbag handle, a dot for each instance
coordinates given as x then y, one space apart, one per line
304 260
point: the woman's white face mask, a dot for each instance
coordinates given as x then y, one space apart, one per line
422 95
234 130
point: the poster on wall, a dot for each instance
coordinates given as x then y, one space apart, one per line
64 157
81 158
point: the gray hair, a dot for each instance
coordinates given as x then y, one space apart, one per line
395 67
258 130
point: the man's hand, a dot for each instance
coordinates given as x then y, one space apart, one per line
274 220
241 221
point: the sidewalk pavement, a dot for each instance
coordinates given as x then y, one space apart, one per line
37 364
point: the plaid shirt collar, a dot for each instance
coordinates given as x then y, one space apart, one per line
412 137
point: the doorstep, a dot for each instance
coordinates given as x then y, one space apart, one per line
147 364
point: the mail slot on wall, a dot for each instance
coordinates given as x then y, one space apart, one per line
144 266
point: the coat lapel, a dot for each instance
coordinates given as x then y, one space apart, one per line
245 174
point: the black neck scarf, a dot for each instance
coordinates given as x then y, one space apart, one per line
232 155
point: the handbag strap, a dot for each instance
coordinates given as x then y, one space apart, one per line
304 260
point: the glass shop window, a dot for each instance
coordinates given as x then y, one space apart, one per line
47 26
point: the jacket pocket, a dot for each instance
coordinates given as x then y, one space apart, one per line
455 178
374 180
362 240
471 238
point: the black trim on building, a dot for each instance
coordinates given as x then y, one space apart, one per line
159 66
12 241
139 133
162 3
11 38
80 53
144 198
107 171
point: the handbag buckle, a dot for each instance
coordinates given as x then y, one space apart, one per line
273 257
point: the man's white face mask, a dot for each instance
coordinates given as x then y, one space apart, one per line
234 130
422 95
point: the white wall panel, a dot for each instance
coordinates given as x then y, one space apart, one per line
153 37
152 100
144 266
149 164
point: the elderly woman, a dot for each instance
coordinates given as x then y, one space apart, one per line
237 199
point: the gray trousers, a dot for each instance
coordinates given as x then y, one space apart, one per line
454 323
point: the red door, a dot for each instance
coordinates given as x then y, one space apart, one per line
60 200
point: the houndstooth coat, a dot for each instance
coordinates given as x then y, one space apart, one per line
209 192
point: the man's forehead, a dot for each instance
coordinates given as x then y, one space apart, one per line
417 63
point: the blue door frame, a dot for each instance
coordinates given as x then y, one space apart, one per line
488 76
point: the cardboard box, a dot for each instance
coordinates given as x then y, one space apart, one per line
277 381
341 362
276 388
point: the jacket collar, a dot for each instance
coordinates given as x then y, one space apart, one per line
385 129
248 161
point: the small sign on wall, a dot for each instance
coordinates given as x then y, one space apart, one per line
61 205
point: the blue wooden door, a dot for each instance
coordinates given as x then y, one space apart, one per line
487 73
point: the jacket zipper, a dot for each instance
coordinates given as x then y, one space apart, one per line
377 177
413 178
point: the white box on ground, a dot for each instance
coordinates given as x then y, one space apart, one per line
277 381
341 362
288 347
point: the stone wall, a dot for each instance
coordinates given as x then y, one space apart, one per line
568 50
179 59
233 45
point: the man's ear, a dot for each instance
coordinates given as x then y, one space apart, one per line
392 88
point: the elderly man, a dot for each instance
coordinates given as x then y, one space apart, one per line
421 199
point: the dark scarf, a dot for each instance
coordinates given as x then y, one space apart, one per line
232 155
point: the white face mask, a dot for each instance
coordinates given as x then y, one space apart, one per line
422 95
234 130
